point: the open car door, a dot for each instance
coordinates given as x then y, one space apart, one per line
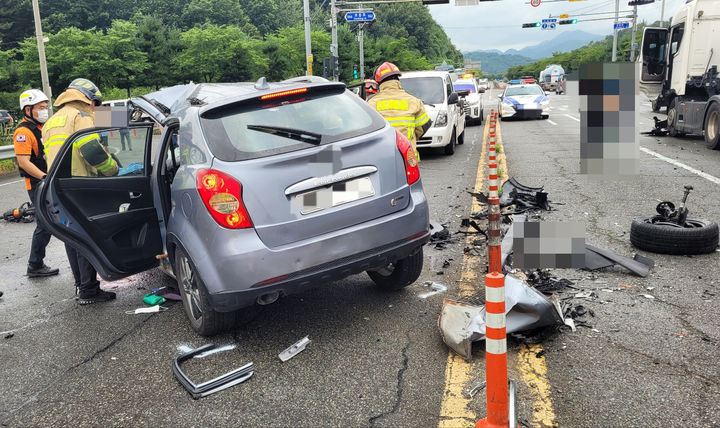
653 61
111 220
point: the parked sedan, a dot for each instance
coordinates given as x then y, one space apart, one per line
524 101
252 192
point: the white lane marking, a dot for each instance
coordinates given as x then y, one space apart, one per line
563 107
572 117
12 182
682 165
550 121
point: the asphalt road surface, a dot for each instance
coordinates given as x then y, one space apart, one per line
376 358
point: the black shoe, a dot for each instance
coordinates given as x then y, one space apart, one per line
94 296
43 270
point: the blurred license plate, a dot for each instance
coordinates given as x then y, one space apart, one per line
337 194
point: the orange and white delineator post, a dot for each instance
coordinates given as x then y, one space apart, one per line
494 235
498 403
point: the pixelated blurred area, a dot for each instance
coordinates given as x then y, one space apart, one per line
111 116
609 147
540 245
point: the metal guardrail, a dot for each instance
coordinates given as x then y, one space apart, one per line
7 152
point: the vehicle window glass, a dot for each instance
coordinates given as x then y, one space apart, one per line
523 90
110 153
464 87
676 38
331 117
448 86
429 89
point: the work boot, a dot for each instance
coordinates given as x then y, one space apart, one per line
43 270
94 296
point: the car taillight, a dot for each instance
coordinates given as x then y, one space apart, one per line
222 196
412 172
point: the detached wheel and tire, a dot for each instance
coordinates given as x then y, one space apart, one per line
400 274
672 119
203 319
450 147
712 127
652 234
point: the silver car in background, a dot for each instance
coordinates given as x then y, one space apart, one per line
251 192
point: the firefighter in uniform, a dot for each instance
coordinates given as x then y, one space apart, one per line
405 112
89 159
31 162
371 88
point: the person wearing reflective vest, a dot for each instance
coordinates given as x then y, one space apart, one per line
405 112
32 166
89 159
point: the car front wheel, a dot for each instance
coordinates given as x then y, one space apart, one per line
399 274
203 319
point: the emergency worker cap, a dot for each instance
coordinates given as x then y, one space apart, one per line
386 70
31 97
88 89
371 86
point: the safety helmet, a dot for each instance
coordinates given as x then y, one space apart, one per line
31 97
88 89
371 86
385 70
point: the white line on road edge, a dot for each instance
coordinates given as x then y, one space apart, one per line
550 121
12 182
682 165
572 117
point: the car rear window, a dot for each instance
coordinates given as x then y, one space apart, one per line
431 90
464 87
333 117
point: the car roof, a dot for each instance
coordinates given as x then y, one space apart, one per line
425 73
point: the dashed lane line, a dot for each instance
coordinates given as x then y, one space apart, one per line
704 175
573 117
550 122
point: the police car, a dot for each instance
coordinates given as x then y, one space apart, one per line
524 101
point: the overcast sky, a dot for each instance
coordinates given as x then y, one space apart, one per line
498 24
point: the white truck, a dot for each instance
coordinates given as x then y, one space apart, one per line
678 69
549 77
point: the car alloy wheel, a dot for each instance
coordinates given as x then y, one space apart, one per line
189 287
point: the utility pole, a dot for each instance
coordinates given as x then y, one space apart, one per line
361 37
662 14
308 40
41 54
334 42
634 31
615 31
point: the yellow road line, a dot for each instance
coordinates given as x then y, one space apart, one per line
455 410
532 369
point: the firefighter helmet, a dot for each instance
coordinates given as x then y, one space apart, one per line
88 89
386 70
371 86
31 97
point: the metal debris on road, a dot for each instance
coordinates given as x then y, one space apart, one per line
294 349
523 197
219 383
475 389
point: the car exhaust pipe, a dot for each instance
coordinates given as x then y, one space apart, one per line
269 298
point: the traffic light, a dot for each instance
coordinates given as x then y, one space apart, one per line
355 72
567 21
435 1
640 2
326 67
334 66
531 25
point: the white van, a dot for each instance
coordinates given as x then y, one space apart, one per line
442 103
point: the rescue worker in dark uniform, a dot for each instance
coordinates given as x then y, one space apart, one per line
31 163
89 159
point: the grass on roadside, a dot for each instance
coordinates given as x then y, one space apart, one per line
7 165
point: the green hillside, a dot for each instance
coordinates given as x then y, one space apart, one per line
497 63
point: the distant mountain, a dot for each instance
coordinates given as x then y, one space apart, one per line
563 42
495 61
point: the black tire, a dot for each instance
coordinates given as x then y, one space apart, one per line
672 118
712 127
450 147
203 319
400 274
545 116
666 239
655 105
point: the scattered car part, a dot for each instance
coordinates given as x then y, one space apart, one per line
294 349
524 197
475 389
673 231
525 309
147 310
660 129
25 213
507 242
227 380
596 258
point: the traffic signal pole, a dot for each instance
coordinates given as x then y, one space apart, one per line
41 54
308 40
334 35
634 32
361 38
615 31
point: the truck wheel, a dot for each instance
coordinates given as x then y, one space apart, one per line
672 119
712 127
697 237
450 147
655 105
400 274
203 319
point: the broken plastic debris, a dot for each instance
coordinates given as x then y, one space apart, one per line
147 310
648 296
475 389
294 349
435 286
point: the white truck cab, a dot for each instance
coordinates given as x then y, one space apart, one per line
435 89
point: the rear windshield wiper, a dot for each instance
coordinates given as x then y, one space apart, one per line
295 134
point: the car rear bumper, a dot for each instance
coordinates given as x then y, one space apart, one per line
237 267
521 113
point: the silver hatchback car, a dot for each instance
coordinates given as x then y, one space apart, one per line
246 192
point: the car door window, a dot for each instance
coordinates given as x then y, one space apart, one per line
111 152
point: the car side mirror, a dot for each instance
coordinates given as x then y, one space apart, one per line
453 98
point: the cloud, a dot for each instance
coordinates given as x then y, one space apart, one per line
498 24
